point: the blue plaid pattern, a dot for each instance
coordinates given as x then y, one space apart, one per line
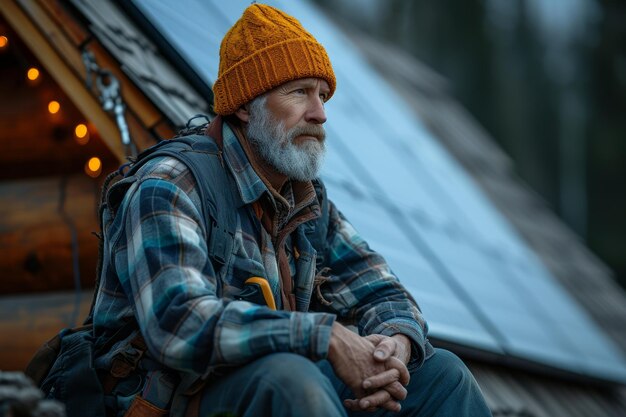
157 271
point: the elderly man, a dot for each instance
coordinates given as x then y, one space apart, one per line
263 333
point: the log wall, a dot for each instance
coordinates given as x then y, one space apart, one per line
27 321
37 219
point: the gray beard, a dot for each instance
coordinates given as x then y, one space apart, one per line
301 162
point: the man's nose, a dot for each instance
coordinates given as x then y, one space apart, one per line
315 112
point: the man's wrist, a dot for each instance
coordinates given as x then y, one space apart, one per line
336 339
332 344
405 354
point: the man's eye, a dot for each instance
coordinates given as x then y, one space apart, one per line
324 96
299 91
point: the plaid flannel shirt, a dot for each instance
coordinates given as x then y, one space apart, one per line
157 271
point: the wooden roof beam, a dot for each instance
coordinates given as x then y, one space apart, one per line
63 75
68 38
42 28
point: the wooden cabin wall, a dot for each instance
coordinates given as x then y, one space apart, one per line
36 318
45 192
44 224
46 197
48 203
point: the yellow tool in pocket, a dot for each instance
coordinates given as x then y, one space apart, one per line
257 290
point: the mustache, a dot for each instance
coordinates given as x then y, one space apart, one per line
316 131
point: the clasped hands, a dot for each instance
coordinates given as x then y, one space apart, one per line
374 367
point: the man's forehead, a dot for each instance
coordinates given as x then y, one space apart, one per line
306 82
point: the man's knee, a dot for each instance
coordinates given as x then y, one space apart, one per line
287 369
444 386
452 367
295 381
279 384
448 373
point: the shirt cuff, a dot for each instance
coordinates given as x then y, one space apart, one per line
310 334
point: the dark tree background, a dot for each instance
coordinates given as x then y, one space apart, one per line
547 79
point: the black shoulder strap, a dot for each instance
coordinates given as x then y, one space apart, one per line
202 156
215 185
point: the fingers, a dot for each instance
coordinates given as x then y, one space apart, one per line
392 405
397 391
379 399
353 405
375 338
387 380
396 370
395 363
382 379
374 400
385 349
393 380
351 357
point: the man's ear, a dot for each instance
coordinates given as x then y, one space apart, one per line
243 114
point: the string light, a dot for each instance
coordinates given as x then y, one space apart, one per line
95 164
32 74
81 134
93 167
4 41
54 107
81 130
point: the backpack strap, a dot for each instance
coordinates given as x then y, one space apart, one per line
202 155
204 159
220 211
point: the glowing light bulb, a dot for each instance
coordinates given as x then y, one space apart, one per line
54 107
32 74
93 167
4 41
80 130
81 134
95 164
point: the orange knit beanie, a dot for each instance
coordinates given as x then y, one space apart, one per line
264 49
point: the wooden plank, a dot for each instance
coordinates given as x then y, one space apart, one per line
65 52
134 98
141 137
140 59
27 321
75 32
63 75
54 33
36 240
163 130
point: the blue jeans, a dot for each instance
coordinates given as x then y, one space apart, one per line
285 384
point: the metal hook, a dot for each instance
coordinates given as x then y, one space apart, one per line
109 94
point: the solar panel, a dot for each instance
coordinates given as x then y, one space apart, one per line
435 297
476 281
